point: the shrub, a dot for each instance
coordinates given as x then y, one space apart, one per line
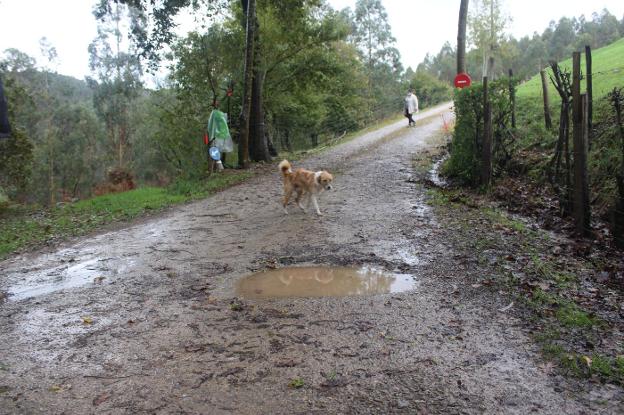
430 90
465 161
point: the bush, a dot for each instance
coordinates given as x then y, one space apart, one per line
119 180
430 90
465 161
4 200
15 163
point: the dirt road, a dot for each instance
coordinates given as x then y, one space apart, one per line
144 319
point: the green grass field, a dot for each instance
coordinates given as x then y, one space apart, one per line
604 157
607 68
21 226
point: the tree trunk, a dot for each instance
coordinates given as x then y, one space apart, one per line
258 146
512 98
5 128
314 139
287 141
490 68
243 140
461 37
272 150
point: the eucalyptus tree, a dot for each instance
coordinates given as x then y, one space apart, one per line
372 34
117 81
487 23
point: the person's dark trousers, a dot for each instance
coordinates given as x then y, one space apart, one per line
411 120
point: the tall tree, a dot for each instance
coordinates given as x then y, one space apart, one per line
243 141
487 24
118 82
461 36
47 104
372 34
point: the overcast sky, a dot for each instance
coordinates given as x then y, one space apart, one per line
420 26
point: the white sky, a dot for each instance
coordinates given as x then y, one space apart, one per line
420 26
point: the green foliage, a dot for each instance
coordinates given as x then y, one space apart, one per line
486 28
373 35
15 163
25 226
297 383
429 89
607 65
605 153
118 81
465 161
529 53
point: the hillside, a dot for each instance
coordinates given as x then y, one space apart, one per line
608 70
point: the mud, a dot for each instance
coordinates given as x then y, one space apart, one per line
304 282
154 324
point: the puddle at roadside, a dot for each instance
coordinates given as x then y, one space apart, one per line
323 282
74 276
434 173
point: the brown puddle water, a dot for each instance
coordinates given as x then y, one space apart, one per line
323 282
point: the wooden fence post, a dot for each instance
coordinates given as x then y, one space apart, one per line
486 158
581 189
547 118
590 93
512 97
486 139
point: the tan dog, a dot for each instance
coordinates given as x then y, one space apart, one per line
304 183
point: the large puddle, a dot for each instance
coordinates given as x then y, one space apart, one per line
323 282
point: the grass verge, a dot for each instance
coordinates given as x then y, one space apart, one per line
22 227
573 318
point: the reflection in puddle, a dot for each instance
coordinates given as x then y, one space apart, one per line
323 282
74 276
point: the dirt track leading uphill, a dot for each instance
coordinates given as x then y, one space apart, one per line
144 319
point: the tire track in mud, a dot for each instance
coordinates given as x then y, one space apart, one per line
167 334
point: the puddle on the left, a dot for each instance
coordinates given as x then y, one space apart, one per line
323 282
74 276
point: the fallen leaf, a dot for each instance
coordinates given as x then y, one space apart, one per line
101 399
87 320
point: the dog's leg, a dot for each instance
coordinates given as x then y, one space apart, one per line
316 206
298 200
287 194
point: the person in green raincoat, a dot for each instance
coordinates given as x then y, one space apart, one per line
218 131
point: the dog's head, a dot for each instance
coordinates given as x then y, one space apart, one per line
324 179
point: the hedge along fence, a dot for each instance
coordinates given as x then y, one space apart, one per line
465 163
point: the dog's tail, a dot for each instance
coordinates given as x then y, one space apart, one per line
285 168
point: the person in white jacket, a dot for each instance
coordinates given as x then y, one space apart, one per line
411 107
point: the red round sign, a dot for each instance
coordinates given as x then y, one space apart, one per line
462 80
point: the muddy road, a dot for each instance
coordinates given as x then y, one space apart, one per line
146 319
